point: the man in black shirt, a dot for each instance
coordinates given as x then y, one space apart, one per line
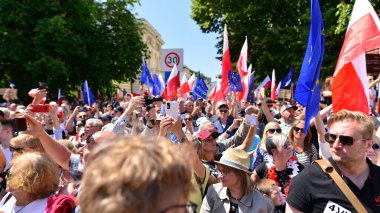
350 137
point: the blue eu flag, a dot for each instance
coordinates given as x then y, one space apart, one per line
200 88
288 79
146 77
307 92
88 97
251 91
234 81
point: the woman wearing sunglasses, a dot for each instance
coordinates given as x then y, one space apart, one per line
260 154
283 168
305 151
189 127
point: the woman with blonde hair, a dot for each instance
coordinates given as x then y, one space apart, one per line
261 154
31 180
304 150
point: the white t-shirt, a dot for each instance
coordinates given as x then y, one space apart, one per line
37 206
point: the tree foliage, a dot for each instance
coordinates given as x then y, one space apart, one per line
277 31
66 42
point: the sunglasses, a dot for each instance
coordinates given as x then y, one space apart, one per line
344 139
272 131
297 129
375 146
82 116
213 136
15 149
223 111
223 171
188 119
90 139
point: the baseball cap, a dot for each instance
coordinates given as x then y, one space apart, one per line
203 134
118 108
288 106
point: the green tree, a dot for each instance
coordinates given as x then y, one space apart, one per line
66 42
277 31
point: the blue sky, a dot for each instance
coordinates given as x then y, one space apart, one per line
171 18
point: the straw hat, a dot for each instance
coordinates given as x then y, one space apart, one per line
235 158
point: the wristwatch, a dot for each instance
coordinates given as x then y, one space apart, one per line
182 140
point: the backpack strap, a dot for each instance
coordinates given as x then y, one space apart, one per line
330 170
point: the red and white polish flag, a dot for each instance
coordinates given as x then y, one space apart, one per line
191 81
242 67
226 62
349 85
184 85
273 86
173 83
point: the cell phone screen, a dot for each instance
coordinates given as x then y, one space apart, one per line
20 124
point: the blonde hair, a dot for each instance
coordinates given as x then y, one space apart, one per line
264 138
134 174
364 121
307 141
265 186
35 174
27 143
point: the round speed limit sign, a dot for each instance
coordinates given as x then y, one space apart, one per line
172 58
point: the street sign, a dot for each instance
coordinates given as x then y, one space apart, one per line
171 57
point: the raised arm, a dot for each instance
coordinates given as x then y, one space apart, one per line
168 123
249 138
323 145
121 123
70 121
57 151
268 115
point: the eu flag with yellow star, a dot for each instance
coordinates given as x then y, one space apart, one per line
234 81
307 91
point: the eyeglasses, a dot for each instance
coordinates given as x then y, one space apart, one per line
297 129
344 139
189 208
188 119
15 149
90 139
272 131
223 111
375 146
223 171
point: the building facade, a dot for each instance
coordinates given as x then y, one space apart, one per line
153 40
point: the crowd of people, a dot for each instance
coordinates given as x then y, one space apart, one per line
232 156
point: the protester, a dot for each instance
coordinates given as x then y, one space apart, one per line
75 163
350 138
261 155
284 167
212 150
235 192
270 190
305 151
162 186
31 180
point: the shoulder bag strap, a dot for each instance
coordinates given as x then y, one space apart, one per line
330 170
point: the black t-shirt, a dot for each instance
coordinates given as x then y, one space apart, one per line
314 191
